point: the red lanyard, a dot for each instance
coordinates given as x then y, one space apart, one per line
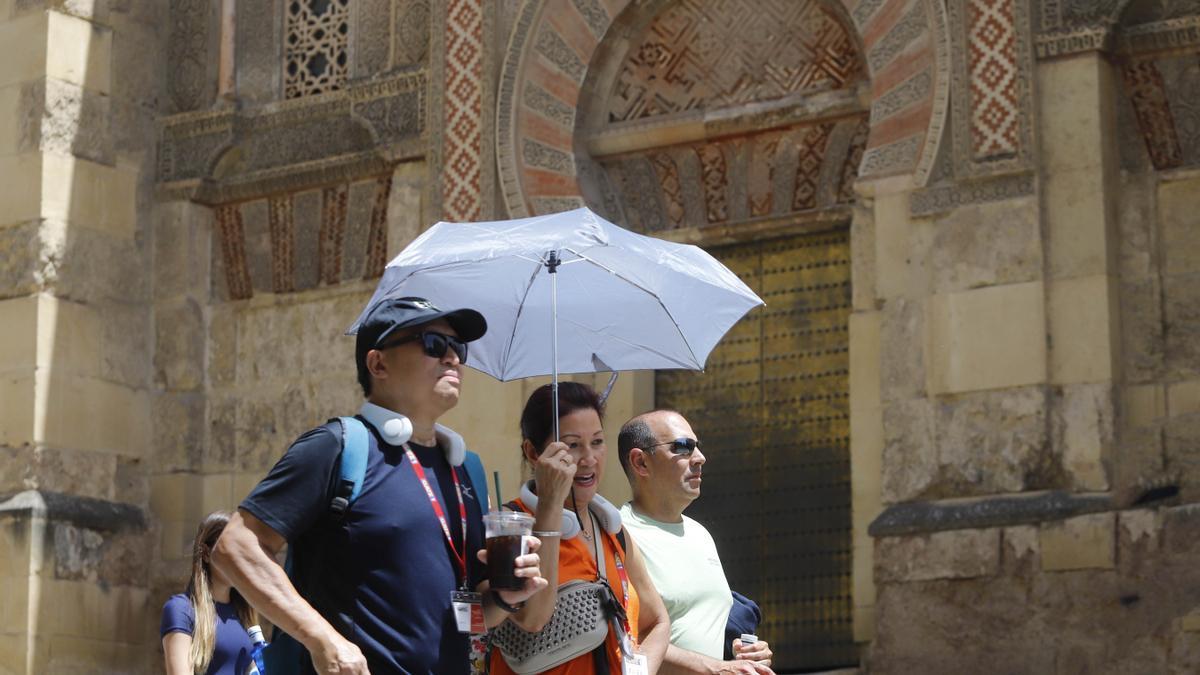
459 556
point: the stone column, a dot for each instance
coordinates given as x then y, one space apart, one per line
1079 188
74 352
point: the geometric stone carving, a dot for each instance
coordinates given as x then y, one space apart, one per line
992 88
233 251
462 162
705 55
541 97
1144 85
316 58
234 155
772 173
187 55
296 241
992 58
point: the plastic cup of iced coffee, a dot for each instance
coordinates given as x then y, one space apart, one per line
506 533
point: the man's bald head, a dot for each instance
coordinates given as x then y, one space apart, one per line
640 432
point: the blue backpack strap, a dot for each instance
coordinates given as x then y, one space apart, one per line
352 467
478 476
285 654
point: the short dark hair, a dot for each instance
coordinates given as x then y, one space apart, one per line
635 434
537 420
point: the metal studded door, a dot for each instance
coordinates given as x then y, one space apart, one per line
772 413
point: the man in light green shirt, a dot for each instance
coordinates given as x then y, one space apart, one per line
662 459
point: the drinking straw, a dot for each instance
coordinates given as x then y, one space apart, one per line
499 501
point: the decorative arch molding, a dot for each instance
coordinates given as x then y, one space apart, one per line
904 43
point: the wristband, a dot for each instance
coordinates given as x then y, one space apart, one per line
547 533
499 601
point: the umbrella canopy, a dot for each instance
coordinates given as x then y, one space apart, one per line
624 301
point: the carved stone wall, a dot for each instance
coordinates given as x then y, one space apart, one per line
556 42
300 241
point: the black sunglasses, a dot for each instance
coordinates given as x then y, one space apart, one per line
435 344
680 446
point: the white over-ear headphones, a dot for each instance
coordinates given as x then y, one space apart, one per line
397 430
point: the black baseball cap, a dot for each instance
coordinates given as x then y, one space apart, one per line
395 313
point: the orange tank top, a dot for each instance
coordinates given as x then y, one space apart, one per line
576 561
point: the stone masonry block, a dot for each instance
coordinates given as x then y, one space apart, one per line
902 362
324 346
892 255
83 473
955 554
179 346
222 347
21 191
404 211
1181 316
111 613
81 54
20 259
1143 344
1077 218
987 245
910 462
986 338
18 341
992 442
865 360
85 193
862 263
178 431
181 250
1138 535
1074 120
13 103
1082 542
93 414
1084 431
92 267
17 412
1143 405
1138 255
1179 217
24 38
75 121
1021 552
1083 317
1182 446
1183 398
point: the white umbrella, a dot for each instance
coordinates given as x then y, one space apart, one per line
571 292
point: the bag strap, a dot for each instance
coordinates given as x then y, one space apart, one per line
352 466
478 477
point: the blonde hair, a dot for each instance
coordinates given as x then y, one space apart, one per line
204 630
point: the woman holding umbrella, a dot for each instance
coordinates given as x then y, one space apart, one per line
597 577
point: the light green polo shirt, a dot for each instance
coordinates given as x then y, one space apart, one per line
683 563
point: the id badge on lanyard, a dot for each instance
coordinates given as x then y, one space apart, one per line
468 612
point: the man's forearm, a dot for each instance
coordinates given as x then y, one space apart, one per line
264 584
684 662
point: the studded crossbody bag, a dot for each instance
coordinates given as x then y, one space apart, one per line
579 625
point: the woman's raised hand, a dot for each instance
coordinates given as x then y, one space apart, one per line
554 474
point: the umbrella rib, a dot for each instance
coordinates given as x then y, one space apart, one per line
652 350
656 299
517 320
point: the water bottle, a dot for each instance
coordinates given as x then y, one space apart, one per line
256 653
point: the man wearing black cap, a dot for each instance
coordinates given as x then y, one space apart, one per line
382 584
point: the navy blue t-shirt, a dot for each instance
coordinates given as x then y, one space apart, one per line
383 574
231 654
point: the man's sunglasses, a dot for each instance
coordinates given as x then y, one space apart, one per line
434 344
680 446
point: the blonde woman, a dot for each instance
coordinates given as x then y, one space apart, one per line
204 630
